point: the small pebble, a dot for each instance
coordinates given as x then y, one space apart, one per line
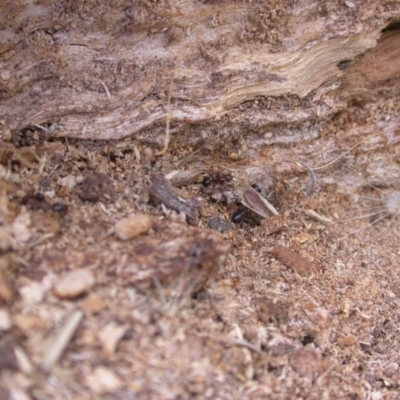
74 284
132 226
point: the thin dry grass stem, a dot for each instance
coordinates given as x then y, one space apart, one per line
361 196
160 290
57 343
368 183
227 166
167 131
363 216
364 227
240 341
343 154
387 183
385 209
388 226
245 343
390 223
312 181
178 294
41 240
313 169
41 127
106 90
265 182
184 160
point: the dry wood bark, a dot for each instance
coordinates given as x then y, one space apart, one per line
80 69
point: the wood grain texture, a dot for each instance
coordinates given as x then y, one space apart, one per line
104 71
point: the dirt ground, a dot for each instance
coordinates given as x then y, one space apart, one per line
303 305
122 275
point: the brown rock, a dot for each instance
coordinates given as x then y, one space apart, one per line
132 226
74 283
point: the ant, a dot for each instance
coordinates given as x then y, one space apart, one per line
216 177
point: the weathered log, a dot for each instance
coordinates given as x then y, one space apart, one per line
105 72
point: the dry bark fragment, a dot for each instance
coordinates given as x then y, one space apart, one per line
7 356
57 343
6 292
5 321
273 225
270 311
103 380
296 51
220 225
162 191
97 187
293 260
110 336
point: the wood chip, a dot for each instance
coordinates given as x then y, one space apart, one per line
5 321
74 283
293 260
97 187
110 335
306 362
318 217
93 304
32 293
20 227
220 225
132 226
23 361
162 191
6 292
103 380
7 356
273 225
57 343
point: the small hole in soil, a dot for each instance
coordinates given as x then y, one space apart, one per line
307 339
